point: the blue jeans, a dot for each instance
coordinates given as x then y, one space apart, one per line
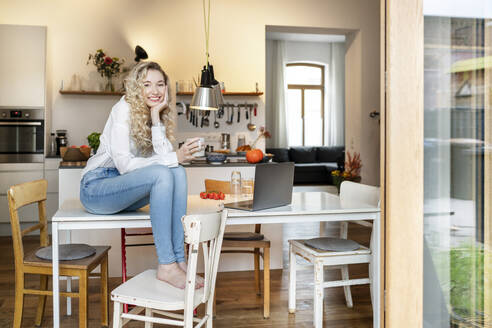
105 191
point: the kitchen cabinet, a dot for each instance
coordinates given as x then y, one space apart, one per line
22 85
11 174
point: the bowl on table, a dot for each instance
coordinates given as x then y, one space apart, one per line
216 158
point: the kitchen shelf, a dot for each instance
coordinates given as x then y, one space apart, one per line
92 93
119 93
227 93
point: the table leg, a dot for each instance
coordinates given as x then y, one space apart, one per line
56 276
375 272
69 279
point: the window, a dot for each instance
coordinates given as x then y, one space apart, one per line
305 104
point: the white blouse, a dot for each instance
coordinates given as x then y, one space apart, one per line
117 149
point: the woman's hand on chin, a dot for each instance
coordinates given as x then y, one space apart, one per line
158 108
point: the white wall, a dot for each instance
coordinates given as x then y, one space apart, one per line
172 33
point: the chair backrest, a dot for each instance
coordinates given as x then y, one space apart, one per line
21 195
224 186
357 192
207 230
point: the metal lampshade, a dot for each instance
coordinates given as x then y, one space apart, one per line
219 97
204 98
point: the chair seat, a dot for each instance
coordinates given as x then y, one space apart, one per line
243 236
147 291
300 244
264 243
83 264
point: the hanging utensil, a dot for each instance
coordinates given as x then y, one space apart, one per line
247 111
206 121
255 108
251 126
232 115
216 124
238 113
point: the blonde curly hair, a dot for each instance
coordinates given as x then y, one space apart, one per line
140 119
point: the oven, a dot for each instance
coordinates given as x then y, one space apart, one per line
21 135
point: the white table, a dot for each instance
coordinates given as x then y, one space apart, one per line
305 207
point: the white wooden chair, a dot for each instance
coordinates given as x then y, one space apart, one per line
148 293
350 192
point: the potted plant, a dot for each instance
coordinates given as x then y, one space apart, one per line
353 164
93 140
106 66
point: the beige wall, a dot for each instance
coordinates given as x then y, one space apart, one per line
172 33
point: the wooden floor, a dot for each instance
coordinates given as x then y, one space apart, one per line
237 303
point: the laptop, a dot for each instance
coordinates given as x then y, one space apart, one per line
272 188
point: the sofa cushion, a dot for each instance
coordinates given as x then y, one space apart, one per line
329 154
279 154
312 173
302 154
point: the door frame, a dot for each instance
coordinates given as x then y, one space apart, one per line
402 46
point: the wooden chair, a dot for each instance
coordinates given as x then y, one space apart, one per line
27 263
156 296
249 243
350 192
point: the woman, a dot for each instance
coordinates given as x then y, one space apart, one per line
135 165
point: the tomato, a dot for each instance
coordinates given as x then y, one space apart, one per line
203 195
254 156
84 146
216 196
221 195
74 146
210 195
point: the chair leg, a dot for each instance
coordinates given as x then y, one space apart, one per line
43 285
346 289
292 280
266 282
123 262
257 271
104 292
117 310
318 294
19 299
209 310
322 227
83 299
148 313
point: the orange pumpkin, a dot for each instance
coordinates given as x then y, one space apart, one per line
254 156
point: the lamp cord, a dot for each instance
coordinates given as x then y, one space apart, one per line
206 24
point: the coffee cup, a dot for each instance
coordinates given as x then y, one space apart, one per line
201 150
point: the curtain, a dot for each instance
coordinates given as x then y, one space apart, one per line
335 97
276 110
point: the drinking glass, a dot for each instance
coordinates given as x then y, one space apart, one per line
236 184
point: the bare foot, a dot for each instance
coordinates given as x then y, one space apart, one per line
199 282
172 274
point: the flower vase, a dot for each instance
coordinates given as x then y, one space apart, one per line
109 85
337 181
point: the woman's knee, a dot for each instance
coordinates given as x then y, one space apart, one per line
179 174
161 174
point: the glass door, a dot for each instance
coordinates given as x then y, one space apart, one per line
457 207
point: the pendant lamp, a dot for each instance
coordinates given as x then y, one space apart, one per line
208 95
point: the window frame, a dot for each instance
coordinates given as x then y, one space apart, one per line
304 87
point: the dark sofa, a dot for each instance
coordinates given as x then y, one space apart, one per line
313 165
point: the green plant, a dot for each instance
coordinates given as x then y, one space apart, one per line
93 140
